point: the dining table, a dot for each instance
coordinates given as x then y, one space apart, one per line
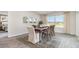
39 30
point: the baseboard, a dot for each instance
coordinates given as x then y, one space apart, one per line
68 33
17 35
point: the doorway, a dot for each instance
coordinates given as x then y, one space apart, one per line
3 25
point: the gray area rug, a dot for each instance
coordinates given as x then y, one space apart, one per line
57 41
60 41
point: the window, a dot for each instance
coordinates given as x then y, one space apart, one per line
56 20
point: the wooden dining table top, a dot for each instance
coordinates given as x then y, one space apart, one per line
40 28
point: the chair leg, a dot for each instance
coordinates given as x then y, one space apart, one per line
43 36
48 37
54 33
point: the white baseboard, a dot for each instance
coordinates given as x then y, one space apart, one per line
16 34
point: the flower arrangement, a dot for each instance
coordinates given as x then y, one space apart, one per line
40 22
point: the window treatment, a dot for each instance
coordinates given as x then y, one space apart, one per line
70 22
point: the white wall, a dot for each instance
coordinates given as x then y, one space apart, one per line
56 13
44 18
15 22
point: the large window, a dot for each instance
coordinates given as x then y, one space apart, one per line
56 20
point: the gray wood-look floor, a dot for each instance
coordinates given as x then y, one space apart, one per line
57 41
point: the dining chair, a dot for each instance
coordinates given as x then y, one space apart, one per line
32 36
52 28
46 33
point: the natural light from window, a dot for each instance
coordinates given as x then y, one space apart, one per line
56 20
